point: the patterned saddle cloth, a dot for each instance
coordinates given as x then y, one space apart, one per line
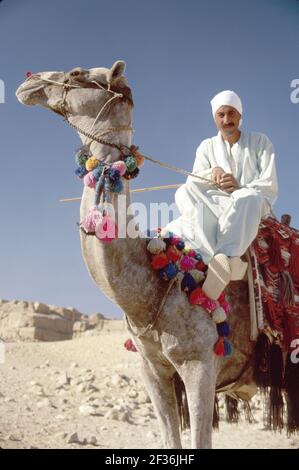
275 269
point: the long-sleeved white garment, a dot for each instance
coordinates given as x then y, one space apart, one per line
215 221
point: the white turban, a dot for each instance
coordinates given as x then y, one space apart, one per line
226 98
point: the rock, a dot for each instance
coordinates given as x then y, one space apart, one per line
14 437
87 410
74 365
117 415
62 381
92 440
9 400
132 393
73 438
43 403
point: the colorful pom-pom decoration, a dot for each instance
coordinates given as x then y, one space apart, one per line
117 186
106 229
223 329
90 180
81 171
219 315
120 166
168 272
132 174
91 163
113 174
197 296
156 245
92 218
188 283
82 155
130 162
187 263
159 261
173 254
199 276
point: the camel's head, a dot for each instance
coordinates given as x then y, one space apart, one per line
83 98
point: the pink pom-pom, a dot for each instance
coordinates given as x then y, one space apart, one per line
120 166
187 263
209 305
192 253
106 229
28 74
90 180
91 220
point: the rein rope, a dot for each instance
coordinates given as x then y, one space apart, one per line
67 86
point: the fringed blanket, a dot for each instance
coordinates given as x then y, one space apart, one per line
275 268
275 271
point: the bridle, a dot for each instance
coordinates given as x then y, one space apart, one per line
92 137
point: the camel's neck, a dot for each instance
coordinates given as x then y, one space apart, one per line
121 268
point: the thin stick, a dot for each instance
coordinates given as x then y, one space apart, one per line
139 190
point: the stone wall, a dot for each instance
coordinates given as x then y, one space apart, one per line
35 321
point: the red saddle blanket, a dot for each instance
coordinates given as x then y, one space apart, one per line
275 266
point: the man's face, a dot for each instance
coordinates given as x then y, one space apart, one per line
227 119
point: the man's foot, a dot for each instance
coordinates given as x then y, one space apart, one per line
238 268
219 275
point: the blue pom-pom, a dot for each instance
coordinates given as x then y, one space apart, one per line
180 245
198 256
228 349
188 283
113 174
168 272
223 328
81 171
117 186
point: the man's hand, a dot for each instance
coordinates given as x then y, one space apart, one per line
228 183
217 173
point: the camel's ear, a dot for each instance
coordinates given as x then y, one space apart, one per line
116 70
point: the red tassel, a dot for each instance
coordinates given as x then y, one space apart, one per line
219 349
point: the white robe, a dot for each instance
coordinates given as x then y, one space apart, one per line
215 221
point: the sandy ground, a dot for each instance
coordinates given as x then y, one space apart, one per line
87 393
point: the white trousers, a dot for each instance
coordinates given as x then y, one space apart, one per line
217 222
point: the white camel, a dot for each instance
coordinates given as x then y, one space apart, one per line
121 269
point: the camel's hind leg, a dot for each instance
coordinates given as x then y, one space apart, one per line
199 378
158 381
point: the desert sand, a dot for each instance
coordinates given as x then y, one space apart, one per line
87 393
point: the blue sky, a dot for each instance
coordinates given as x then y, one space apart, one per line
179 54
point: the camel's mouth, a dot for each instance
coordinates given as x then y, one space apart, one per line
29 92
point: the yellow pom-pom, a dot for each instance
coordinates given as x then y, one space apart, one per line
91 163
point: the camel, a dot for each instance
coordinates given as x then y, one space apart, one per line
184 336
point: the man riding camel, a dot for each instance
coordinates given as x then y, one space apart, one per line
221 213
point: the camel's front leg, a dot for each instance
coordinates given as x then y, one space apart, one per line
157 379
199 378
